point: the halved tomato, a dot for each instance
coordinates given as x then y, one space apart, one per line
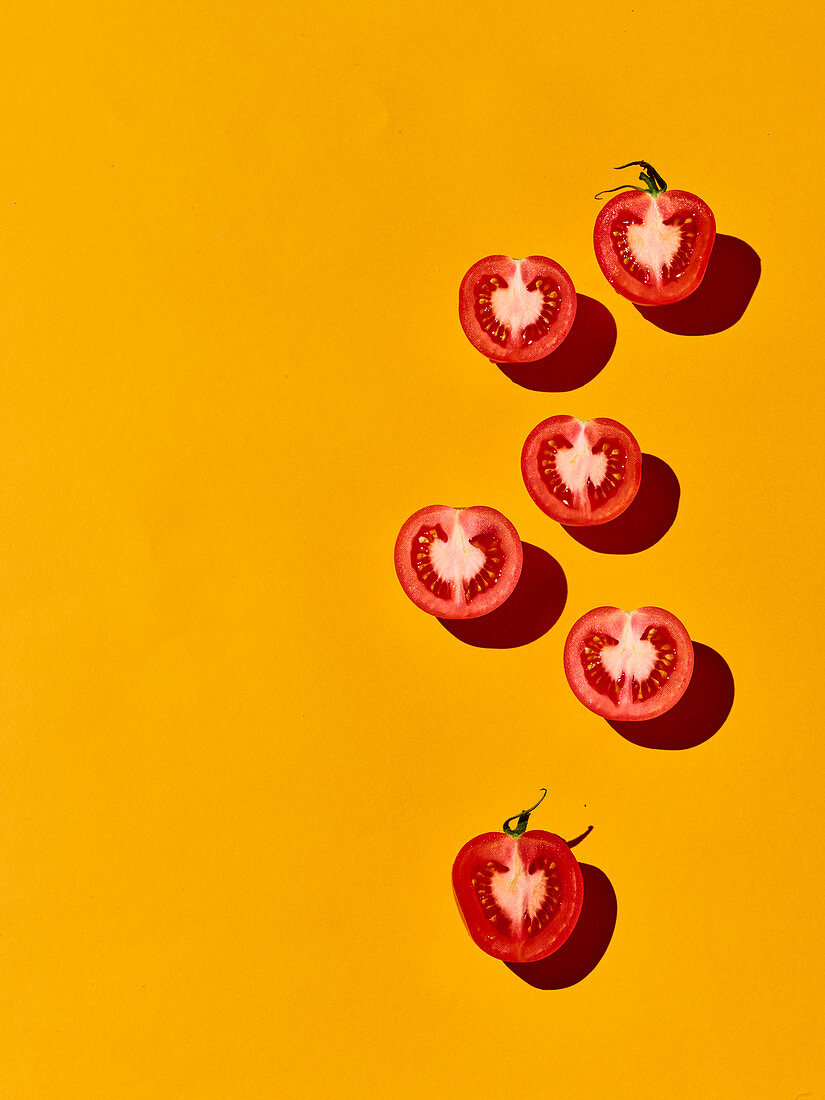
581 472
458 563
628 666
516 311
653 245
519 893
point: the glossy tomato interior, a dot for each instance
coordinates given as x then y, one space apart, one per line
654 250
520 897
458 563
630 666
581 472
516 311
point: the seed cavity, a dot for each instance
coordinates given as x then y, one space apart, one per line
663 666
551 294
490 571
420 552
547 459
594 671
497 330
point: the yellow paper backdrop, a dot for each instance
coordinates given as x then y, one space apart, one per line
236 763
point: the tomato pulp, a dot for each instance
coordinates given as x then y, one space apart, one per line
519 893
581 472
458 563
516 311
653 245
628 666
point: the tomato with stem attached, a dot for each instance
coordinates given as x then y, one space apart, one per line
628 666
652 244
581 472
516 311
519 893
458 563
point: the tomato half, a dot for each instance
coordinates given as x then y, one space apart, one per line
581 472
628 666
519 893
653 245
458 563
516 311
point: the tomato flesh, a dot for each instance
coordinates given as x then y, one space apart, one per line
458 563
654 249
519 897
581 472
628 666
516 311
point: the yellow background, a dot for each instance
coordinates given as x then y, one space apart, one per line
236 762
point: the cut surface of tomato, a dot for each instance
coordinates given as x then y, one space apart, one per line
516 311
519 893
458 563
581 472
653 245
628 666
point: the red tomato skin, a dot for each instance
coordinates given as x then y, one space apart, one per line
635 204
552 505
531 268
500 846
609 621
477 520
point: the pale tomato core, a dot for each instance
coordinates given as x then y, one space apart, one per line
631 655
654 243
631 666
515 305
456 567
522 897
578 464
654 250
456 560
581 465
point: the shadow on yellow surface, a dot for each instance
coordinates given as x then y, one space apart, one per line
699 714
588 941
583 354
723 296
534 605
645 521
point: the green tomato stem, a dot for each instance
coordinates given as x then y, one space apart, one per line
654 184
522 818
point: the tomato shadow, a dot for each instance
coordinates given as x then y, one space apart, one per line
645 521
533 606
699 714
584 352
588 941
722 297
